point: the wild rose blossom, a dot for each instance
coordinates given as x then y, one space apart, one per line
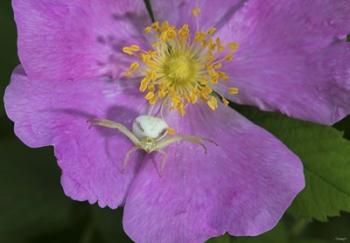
104 59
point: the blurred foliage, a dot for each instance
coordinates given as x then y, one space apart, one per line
33 208
325 155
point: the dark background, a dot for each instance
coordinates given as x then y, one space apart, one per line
34 209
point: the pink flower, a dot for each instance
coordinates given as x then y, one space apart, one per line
291 57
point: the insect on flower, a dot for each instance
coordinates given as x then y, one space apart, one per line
149 134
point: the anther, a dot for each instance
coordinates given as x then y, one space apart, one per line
233 90
196 11
181 68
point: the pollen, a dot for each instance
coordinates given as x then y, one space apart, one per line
196 11
182 66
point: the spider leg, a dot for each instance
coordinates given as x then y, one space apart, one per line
178 138
127 156
162 162
195 140
118 126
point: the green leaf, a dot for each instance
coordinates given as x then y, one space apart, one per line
278 234
320 241
223 239
335 230
326 157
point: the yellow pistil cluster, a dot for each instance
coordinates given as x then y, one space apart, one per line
182 67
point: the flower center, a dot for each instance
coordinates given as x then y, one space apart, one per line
182 67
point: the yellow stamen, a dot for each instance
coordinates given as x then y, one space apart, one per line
153 100
182 68
192 98
148 29
223 76
233 46
165 25
219 46
213 103
133 67
181 109
155 26
131 49
196 11
211 31
217 65
184 32
144 83
225 101
199 36
149 96
211 44
168 33
233 90
228 57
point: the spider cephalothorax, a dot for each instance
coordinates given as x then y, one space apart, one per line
150 134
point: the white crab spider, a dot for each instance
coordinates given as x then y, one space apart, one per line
149 133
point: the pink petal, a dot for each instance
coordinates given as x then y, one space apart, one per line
242 186
292 57
49 113
213 13
63 40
